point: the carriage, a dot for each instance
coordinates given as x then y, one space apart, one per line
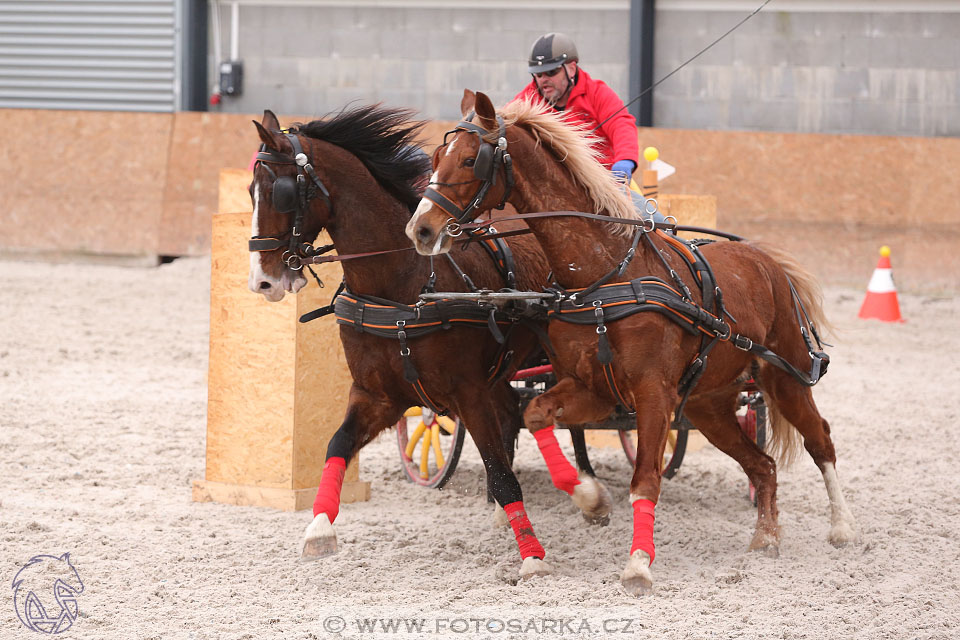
429 444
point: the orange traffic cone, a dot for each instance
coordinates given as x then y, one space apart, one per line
881 301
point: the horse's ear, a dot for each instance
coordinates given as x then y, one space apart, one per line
485 112
270 120
268 137
466 103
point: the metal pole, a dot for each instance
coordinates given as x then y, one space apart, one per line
194 63
641 59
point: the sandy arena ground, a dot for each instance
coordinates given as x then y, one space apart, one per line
102 379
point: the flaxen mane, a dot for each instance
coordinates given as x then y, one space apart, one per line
574 146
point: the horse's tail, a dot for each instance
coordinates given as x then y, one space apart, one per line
786 443
806 284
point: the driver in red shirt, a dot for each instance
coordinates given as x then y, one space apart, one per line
560 82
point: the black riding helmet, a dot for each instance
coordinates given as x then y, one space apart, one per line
550 51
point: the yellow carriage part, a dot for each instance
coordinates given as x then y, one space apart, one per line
440 439
414 439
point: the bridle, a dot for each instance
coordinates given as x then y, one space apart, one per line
291 194
490 157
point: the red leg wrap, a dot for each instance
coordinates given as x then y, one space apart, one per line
523 530
562 473
643 527
328 493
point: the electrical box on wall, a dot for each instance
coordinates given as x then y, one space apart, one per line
231 78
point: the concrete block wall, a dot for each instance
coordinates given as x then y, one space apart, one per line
315 58
870 68
865 71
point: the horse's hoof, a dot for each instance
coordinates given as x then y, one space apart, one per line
534 567
767 548
593 500
637 578
842 534
500 518
319 540
767 543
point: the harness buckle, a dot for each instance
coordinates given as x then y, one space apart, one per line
742 342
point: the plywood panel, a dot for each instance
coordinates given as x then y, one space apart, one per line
323 379
82 181
252 360
201 144
233 195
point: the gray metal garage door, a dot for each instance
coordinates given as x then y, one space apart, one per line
78 54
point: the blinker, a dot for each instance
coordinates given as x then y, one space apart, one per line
285 194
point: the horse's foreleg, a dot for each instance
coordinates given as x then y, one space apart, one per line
652 428
717 421
484 429
366 416
796 406
569 401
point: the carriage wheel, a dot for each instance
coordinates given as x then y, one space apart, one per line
429 446
672 454
753 422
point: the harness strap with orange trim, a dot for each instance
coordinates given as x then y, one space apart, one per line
401 322
604 302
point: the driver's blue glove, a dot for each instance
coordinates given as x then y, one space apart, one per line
623 169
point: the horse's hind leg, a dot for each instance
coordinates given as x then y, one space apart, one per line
795 404
716 419
569 401
367 415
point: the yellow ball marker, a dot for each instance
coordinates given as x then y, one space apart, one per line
650 154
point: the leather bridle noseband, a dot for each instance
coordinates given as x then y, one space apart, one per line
490 157
291 194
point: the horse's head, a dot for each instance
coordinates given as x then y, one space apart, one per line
471 174
290 207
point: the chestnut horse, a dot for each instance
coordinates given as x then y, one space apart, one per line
354 175
555 170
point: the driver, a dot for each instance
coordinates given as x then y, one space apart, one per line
559 81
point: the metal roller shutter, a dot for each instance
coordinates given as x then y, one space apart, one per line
78 54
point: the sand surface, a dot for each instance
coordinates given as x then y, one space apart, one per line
103 387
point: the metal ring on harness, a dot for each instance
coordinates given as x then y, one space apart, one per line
653 224
453 229
292 260
646 206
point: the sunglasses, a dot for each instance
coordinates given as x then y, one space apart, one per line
548 74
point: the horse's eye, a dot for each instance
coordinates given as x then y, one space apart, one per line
469 162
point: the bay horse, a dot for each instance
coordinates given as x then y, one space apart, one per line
354 176
640 360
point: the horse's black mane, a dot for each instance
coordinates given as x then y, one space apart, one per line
383 140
